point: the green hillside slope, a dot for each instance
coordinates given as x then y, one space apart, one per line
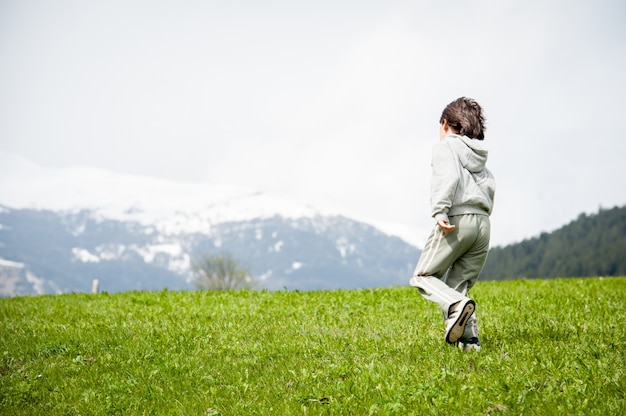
550 347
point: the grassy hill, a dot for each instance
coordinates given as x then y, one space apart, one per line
549 347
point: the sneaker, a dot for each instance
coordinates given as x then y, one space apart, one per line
471 344
458 315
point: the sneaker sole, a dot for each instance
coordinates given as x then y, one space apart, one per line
458 328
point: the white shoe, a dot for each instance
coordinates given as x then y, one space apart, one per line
471 344
458 315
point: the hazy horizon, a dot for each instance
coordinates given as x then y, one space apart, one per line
332 104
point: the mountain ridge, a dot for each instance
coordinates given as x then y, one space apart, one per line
164 203
64 227
65 252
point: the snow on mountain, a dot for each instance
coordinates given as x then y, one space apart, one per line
16 278
142 233
172 207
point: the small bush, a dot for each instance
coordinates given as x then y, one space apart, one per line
221 272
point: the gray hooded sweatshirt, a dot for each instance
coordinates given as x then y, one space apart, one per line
461 184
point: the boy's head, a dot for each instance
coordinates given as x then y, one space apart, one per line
465 117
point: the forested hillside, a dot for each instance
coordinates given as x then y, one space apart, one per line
591 245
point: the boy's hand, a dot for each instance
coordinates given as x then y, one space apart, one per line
445 226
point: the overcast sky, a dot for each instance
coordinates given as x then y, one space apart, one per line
332 103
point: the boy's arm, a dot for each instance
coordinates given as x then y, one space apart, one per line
444 181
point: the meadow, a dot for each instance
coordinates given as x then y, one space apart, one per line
550 347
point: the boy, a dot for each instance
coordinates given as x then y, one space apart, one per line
462 192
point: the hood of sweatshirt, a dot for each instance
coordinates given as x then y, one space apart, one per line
472 153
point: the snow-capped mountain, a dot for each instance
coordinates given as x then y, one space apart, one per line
61 228
170 206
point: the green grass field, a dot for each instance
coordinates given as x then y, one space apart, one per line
550 347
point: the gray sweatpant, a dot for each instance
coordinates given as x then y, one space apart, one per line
450 263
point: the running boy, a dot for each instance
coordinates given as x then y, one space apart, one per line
462 191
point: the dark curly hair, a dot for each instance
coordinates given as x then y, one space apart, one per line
465 116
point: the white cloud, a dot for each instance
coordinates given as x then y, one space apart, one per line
330 103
